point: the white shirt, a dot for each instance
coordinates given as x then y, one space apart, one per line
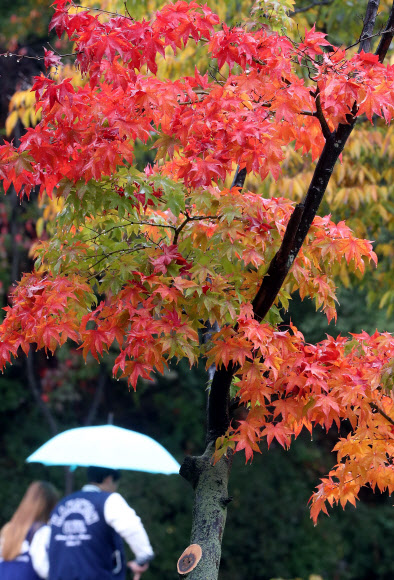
117 514
39 551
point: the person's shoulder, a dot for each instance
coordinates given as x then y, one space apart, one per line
116 509
116 496
115 499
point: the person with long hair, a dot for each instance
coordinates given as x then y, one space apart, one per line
21 554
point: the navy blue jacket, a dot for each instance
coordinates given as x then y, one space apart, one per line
82 545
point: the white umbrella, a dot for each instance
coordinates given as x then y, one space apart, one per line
106 446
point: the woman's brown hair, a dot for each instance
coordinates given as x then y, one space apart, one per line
36 506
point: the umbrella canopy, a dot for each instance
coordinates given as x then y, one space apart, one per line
106 446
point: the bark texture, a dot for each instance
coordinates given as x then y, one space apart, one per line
210 483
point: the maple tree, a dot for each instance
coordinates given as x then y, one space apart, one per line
171 263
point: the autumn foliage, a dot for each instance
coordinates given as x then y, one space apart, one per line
173 247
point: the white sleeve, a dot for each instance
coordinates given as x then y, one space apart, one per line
39 551
120 516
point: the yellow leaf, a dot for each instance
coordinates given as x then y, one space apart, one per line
16 100
30 98
39 227
383 212
34 117
25 117
10 123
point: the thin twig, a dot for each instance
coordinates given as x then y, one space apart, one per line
127 10
20 56
104 11
379 410
122 251
309 6
381 33
38 58
128 223
192 219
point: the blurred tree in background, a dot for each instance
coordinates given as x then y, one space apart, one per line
271 532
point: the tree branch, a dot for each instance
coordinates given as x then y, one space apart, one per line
369 23
192 219
309 6
218 412
322 120
387 37
379 410
381 33
206 336
115 14
239 177
122 226
279 266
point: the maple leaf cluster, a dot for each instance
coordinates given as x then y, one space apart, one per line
172 247
289 385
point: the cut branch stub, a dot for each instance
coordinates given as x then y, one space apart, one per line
189 559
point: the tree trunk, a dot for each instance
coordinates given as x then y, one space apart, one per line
210 483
